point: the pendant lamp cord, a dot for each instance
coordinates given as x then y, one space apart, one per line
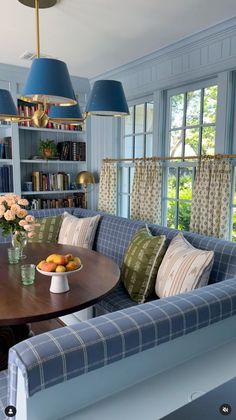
37 27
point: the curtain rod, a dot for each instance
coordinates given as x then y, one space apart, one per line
217 156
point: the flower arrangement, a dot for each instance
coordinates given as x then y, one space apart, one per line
14 218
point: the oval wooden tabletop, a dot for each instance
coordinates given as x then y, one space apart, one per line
20 304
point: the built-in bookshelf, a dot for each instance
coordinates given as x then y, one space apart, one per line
20 160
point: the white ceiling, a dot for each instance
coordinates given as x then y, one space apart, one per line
93 36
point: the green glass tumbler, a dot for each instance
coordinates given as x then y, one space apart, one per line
13 255
27 274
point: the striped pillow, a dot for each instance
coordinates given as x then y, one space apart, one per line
141 262
78 232
183 268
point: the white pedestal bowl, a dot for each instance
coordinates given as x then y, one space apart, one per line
59 281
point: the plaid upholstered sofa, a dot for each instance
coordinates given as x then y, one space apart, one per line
85 368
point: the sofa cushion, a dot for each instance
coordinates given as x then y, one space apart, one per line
48 230
78 232
183 268
114 301
3 393
141 262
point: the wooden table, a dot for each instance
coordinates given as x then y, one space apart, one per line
21 304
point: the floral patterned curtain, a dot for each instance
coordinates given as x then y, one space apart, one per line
211 198
108 188
146 191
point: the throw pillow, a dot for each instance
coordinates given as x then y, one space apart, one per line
183 268
48 230
78 232
141 262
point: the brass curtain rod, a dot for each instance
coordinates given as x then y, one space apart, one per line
217 156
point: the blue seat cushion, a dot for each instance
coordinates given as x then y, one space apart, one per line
3 393
114 301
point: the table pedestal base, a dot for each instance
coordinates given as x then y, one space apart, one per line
9 336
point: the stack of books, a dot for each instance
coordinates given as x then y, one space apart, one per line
50 182
6 179
6 148
77 200
72 150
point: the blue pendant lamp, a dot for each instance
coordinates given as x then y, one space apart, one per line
8 111
107 99
66 115
49 83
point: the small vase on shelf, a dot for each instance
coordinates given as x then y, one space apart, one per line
19 240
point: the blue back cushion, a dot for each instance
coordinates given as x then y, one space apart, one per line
114 234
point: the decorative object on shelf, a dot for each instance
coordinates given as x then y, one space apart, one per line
47 148
85 178
49 83
15 220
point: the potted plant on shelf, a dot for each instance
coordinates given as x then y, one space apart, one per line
48 149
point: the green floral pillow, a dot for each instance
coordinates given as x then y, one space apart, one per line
141 262
48 230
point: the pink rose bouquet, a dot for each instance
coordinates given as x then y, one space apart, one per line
14 218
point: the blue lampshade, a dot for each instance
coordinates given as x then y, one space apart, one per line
49 81
8 111
66 114
107 99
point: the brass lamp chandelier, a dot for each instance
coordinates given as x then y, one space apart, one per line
49 86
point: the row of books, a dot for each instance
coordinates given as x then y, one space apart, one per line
59 181
77 200
72 150
27 110
6 148
6 179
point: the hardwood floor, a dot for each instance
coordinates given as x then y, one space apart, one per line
44 326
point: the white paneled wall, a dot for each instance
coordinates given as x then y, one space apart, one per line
210 53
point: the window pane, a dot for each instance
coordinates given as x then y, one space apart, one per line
139 146
184 215
129 121
191 142
234 226
128 147
234 195
149 117
131 178
193 107
210 104
171 213
139 118
124 205
185 183
172 182
124 180
176 143
208 140
177 110
148 145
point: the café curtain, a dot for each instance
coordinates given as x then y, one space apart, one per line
211 198
146 191
108 188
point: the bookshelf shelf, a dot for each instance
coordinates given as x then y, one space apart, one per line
8 161
52 130
44 161
50 192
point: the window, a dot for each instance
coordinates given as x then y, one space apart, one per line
137 141
191 132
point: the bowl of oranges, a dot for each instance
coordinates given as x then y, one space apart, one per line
59 267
